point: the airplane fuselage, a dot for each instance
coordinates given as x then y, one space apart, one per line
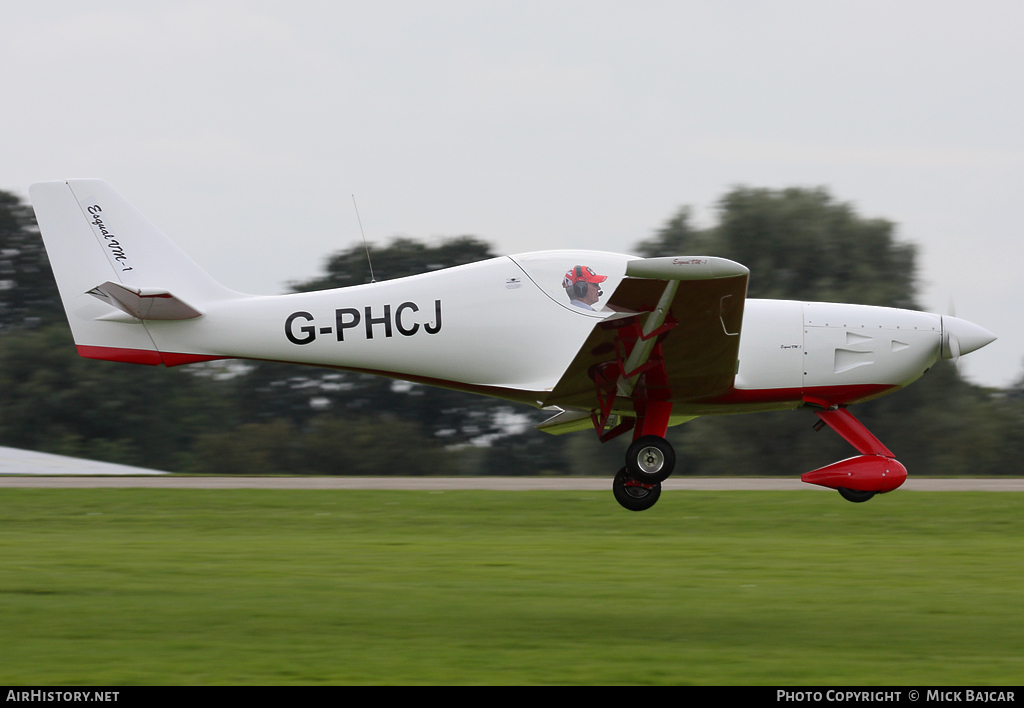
491 327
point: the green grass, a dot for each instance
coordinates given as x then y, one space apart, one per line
248 586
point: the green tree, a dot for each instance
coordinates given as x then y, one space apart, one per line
799 244
55 401
28 292
401 258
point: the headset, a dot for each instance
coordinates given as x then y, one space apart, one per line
580 286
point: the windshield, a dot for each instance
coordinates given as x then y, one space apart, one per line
581 281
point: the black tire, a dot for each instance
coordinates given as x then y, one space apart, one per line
650 459
634 496
855 495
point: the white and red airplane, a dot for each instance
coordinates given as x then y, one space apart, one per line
610 342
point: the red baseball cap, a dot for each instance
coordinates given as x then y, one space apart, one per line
582 273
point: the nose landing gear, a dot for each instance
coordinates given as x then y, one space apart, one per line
874 471
855 495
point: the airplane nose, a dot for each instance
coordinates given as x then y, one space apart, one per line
961 337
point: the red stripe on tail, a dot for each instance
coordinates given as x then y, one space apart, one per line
142 356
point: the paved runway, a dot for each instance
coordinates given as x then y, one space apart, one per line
486 483
24 468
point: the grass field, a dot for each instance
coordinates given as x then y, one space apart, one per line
248 586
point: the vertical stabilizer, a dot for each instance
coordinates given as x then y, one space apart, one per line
92 237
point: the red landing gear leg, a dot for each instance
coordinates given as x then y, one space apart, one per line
651 459
640 375
874 471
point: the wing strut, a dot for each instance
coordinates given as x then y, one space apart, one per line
641 353
637 352
674 337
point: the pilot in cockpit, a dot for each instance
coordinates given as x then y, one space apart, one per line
581 285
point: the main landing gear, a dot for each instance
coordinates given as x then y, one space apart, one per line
633 495
649 461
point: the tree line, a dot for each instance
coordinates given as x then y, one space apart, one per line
235 417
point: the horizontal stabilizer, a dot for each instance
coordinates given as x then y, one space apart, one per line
144 303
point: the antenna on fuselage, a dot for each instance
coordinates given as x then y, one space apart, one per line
365 245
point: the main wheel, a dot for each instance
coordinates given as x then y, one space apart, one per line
855 495
650 459
632 494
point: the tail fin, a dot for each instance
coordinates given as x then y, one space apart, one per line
115 269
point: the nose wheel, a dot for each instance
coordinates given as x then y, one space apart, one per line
855 495
634 495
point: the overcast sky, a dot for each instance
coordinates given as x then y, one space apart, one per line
243 128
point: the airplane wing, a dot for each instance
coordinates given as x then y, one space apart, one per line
675 335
